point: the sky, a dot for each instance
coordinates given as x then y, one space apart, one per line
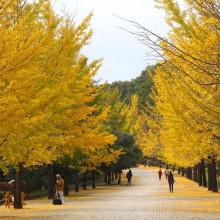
124 57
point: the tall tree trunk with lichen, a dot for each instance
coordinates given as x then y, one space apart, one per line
17 198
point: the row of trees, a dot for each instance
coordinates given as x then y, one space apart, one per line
51 108
183 126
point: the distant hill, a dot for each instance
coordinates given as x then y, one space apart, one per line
142 86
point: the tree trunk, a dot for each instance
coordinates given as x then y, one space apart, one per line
66 180
50 182
84 180
214 177
113 177
109 177
17 198
195 173
204 181
189 173
93 179
119 178
183 171
210 184
179 170
76 180
106 177
200 174
116 175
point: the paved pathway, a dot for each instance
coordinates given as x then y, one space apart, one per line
148 198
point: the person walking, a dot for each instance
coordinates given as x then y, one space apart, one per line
166 172
170 181
160 174
128 176
60 187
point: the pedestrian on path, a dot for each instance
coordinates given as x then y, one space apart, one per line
160 174
128 176
60 187
170 181
166 172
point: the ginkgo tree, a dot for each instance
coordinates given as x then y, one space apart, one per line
193 65
187 82
122 121
46 88
24 40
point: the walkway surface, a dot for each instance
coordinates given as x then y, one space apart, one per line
148 198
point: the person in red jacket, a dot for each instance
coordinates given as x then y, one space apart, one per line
160 174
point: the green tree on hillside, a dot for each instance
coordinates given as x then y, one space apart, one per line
141 86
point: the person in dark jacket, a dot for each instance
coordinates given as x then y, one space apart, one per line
170 181
128 176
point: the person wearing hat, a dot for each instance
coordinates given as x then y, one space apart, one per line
60 187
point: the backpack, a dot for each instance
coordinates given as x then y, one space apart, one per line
129 175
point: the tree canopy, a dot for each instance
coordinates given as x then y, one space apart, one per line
184 123
47 87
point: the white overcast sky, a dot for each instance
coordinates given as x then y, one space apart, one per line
124 57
